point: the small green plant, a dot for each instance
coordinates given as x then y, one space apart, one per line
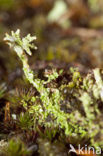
23 95
25 121
17 148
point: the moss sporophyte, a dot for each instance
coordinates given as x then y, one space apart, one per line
84 92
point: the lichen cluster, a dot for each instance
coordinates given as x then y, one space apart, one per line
73 108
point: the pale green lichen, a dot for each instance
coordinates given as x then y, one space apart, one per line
99 82
84 96
51 104
87 101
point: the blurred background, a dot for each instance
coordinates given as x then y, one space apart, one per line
69 33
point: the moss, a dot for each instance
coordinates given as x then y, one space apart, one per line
17 148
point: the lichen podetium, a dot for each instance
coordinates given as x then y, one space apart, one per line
51 104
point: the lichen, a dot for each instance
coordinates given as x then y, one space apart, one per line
49 109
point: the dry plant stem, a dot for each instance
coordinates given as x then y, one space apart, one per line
7 112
